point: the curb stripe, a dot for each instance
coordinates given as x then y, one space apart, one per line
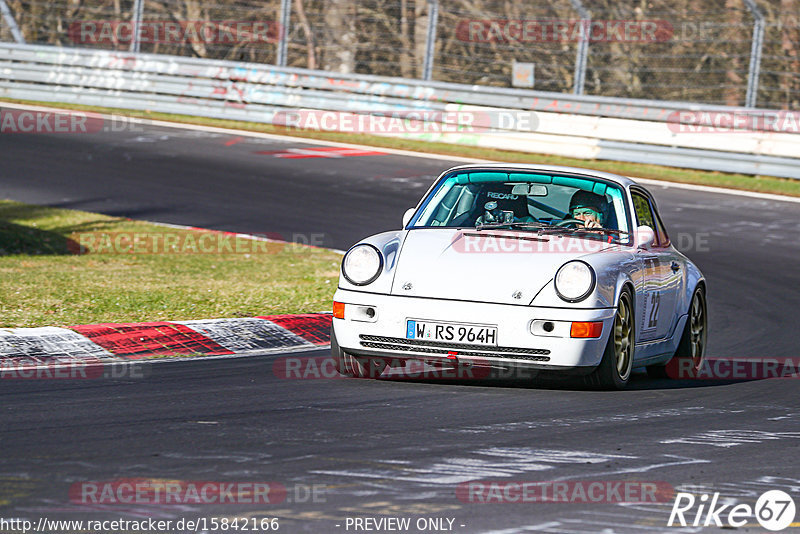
313 327
138 340
47 345
242 336
205 338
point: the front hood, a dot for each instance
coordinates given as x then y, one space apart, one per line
489 266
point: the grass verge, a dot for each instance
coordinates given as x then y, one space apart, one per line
63 267
762 184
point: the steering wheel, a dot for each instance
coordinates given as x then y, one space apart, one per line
577 223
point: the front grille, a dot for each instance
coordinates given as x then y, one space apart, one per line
441 347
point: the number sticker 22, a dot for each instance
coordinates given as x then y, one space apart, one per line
655 301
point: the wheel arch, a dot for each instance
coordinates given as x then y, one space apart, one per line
625 282
694 279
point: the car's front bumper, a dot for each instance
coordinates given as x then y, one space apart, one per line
384 334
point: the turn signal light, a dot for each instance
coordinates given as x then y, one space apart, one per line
594 329
338 310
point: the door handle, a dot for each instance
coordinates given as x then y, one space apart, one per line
675 266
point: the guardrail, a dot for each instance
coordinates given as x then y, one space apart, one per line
568 125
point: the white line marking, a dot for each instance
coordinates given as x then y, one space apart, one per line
625 524
643 469
117 360
409 153
244 236
258 135
731 438
530 528
263 353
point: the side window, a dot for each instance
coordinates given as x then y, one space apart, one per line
661 233
645 216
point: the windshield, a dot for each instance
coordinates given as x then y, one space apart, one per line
528 202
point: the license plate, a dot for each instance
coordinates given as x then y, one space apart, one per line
474 334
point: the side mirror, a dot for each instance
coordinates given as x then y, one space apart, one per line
645 237
407 216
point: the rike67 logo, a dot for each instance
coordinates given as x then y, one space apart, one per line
774 510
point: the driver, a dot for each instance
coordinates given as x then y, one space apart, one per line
588 207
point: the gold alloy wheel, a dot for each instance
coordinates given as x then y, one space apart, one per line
623 334
697 340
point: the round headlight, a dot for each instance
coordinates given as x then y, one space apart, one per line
574 281
362 265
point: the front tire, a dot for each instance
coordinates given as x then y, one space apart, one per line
615 368
353 366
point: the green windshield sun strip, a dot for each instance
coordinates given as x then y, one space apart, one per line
577 183
615 193
492 176
567 181
483 177
531 178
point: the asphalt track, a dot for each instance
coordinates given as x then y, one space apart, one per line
391 448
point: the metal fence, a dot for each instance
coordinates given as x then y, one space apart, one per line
718 52
761 142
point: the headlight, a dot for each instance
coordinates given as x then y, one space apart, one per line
574 281
362 265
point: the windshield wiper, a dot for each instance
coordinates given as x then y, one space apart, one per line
603 230
518 224
542 228
582 229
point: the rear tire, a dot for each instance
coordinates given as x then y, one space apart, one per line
354 366
615 368
692 345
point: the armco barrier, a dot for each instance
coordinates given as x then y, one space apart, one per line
567 125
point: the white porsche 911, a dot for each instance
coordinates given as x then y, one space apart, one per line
508 266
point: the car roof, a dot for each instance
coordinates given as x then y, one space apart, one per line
624 181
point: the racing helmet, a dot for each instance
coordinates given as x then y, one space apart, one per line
587 199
